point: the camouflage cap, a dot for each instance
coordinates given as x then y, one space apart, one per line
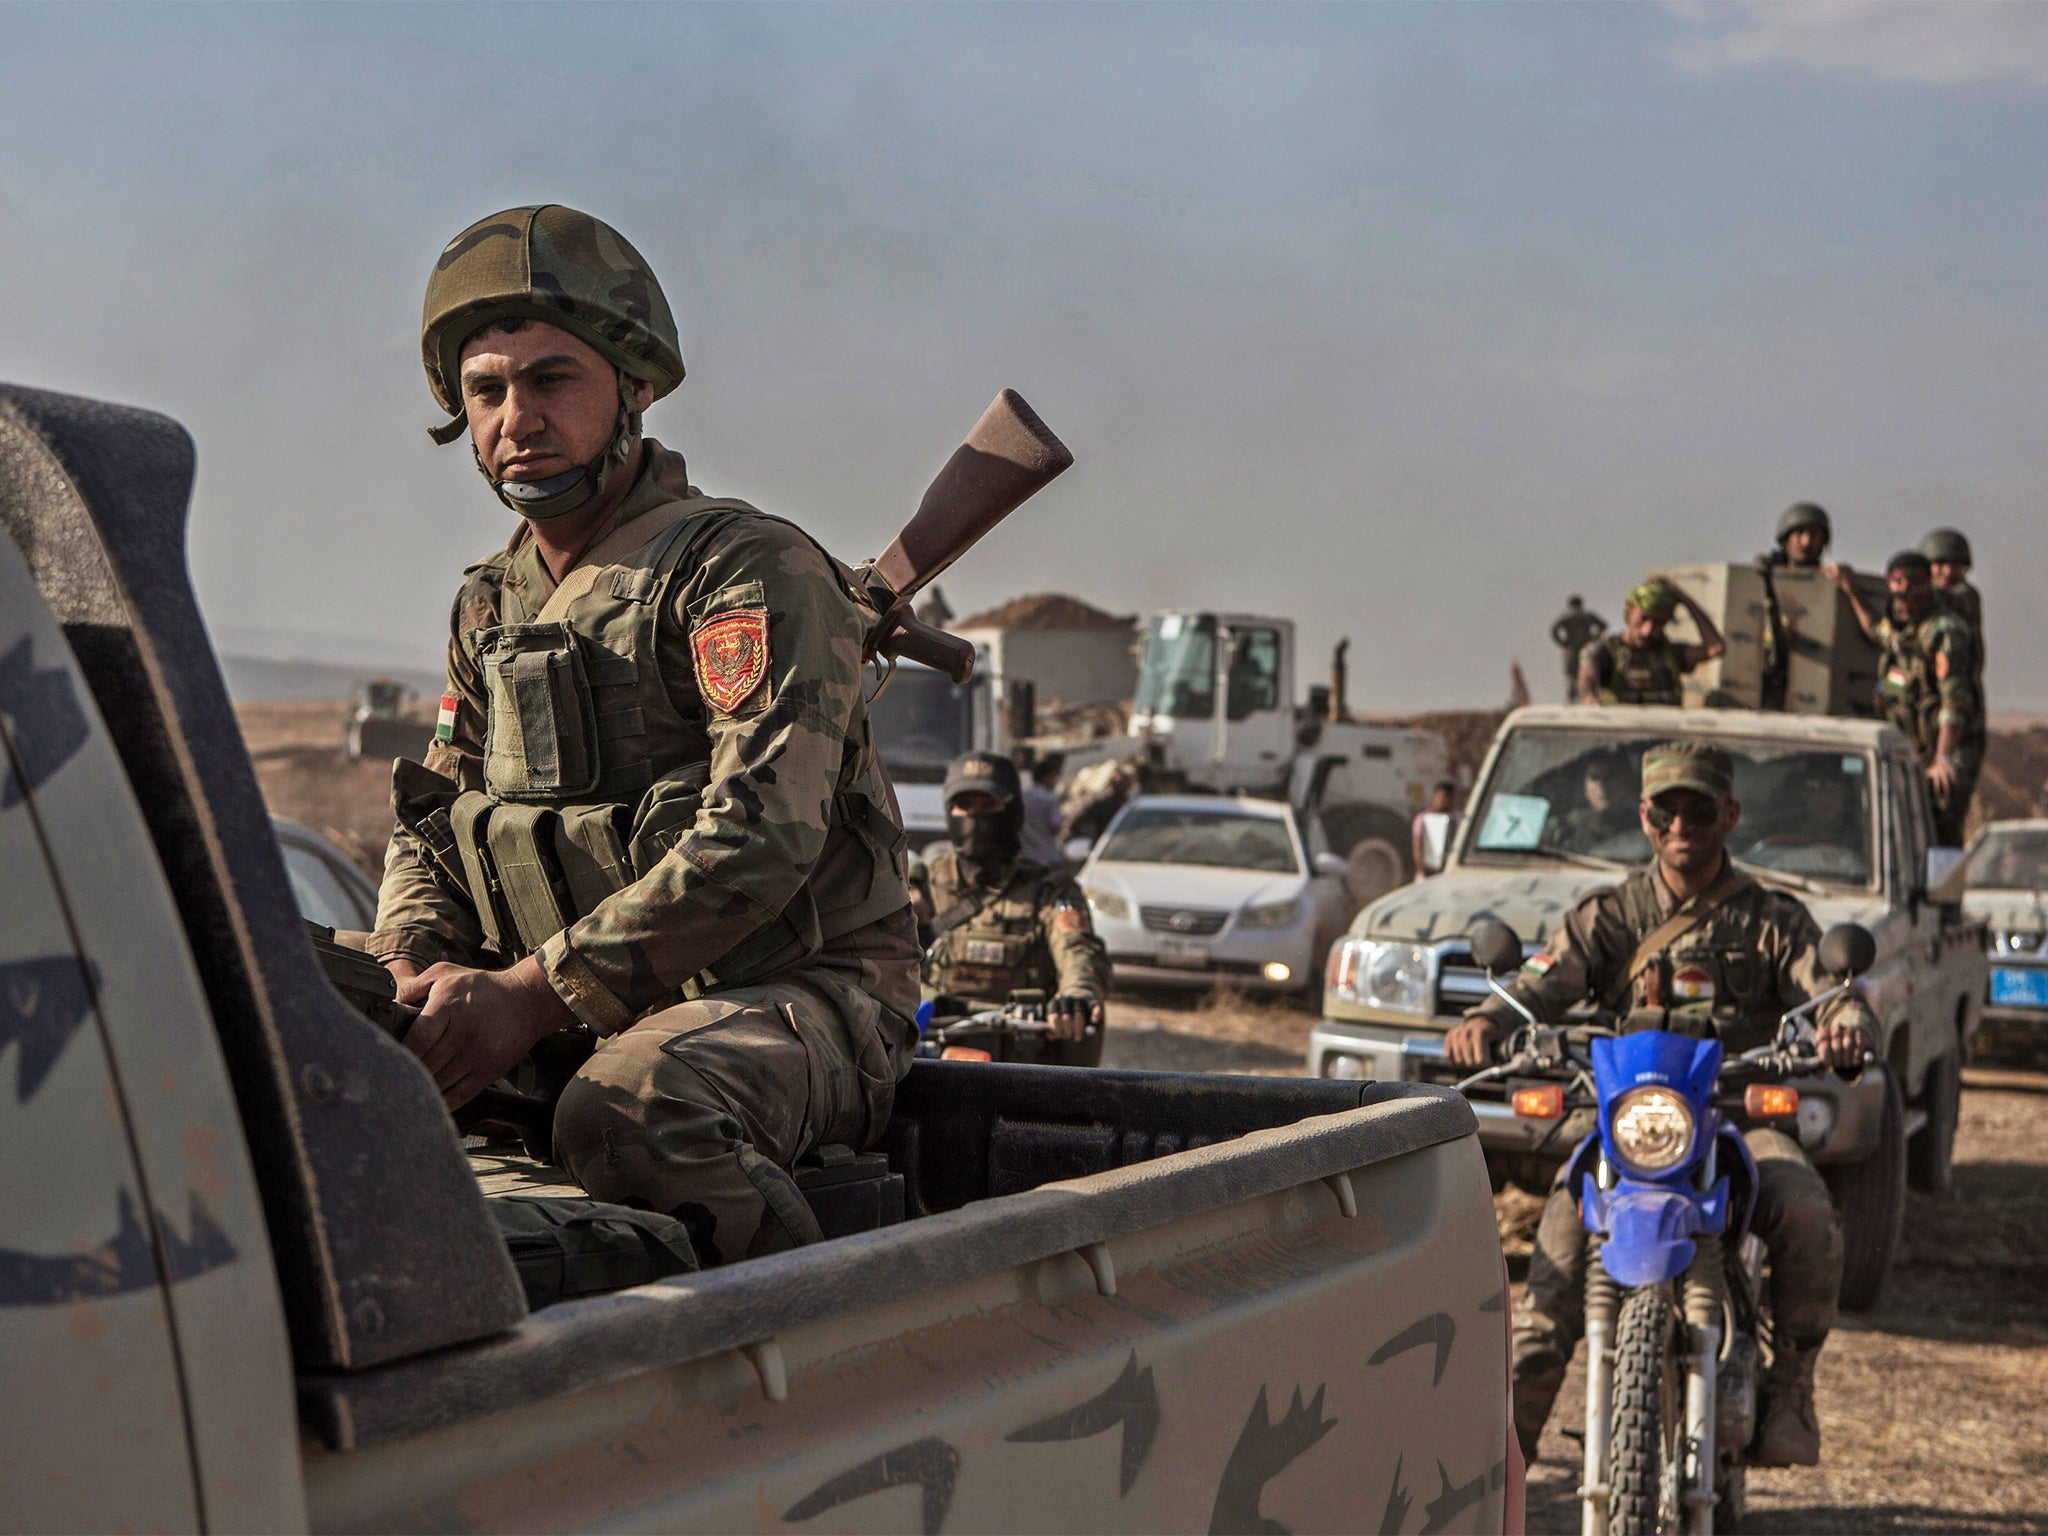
1687 765
556 265
1655 599
986 773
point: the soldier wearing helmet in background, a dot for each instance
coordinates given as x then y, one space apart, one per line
997 922
652 812
1638 664
1804 533
1948 559
1927 685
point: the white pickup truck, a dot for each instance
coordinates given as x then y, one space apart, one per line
1833 810
250 1276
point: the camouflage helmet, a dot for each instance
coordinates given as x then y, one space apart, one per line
556 265
1654 599
1805 514
1946 546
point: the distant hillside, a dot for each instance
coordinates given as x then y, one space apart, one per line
261 677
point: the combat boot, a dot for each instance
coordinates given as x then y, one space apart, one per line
1789 1434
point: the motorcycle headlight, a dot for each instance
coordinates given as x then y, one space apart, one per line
1397 976
1653 1128
1107 904
1279 914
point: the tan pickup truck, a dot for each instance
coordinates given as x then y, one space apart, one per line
250 1278
1833 810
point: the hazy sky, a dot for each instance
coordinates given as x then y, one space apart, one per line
1403 320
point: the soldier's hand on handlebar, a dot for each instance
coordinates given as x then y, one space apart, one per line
1470 1044
1070 1014
1841 1044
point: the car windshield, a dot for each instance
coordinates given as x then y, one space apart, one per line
2009 861
1805 809
1156 835
922 720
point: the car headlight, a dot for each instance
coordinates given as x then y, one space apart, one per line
1107 904
1393 976
1278 914
1653 1128
2021 941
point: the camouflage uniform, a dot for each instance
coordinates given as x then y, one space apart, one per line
1928 678
1967 603
1653 675
1752 958
657 776
1030 928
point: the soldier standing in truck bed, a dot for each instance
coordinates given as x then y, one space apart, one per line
1640 665
653 810
1804 533
997 922
1948 558
1927 685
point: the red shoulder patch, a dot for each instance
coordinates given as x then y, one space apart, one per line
731 655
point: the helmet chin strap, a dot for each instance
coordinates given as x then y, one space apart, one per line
558 495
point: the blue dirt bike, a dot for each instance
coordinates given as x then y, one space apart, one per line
1676 1319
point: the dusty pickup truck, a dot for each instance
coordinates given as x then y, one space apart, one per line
1833 810
250 1275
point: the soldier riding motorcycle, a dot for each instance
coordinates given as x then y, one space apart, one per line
1676 1312
1002 931
1714 957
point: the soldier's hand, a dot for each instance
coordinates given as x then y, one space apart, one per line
1840 574
1470 1043
1943 775
402 969
1070 1013
474 1025
1842 1044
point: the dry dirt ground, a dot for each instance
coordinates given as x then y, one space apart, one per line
1934 1406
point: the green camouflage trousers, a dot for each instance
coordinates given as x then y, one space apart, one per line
1952 810
1794 1218
698 1110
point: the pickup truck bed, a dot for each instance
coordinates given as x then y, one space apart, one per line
1202 1288
248 1279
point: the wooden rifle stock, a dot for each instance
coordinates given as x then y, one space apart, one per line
1008 457
914 640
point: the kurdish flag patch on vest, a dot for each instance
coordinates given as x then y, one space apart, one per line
444 723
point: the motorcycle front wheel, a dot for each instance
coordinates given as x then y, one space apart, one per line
1643 1457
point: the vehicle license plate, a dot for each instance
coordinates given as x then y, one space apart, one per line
1192 953
2017 987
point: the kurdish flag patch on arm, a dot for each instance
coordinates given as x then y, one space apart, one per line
444 724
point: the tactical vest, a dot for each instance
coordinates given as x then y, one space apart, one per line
1716 971
1653 675
592 774
1000 949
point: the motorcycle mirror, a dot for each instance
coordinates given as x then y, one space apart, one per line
1495 948
1847 949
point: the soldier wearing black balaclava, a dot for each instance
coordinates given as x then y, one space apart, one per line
995 922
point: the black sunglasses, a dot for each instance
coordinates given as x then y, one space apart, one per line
1697 814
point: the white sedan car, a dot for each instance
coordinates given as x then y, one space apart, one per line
1196 889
